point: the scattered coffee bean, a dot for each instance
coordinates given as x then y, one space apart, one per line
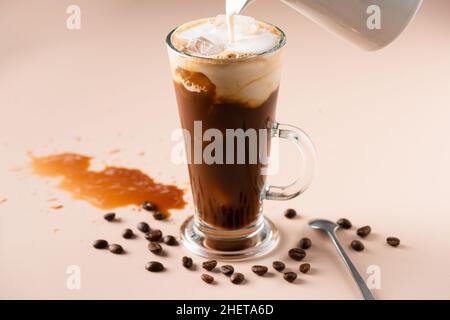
148 206
158 215
154 247
290 213
278 265
304 267
153 235
170 240
154 266
357 245
259 270
127 233
237 278
143 227
305 243
209 265
115 248
393 241
363 231
344 223
207 278
290 276
100 244
227 270
297 254
109 216
187 262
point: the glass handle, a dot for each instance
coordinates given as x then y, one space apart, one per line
305 169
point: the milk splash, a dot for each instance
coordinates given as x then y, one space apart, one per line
233 7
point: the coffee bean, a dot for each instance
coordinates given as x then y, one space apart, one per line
209 265
115 248
158 215
170 240
393 241
305 243
297 254
187 262
290 213
153 235
278 265
127 234
143 227
304 267
207 278
259 270
148 206
344 223
154 247
109 216
363 231
290 276
100 244
237 278
154 266
357 245
227 270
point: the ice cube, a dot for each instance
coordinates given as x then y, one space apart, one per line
245 26
204 47
220 21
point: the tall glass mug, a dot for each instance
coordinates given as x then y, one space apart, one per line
227 110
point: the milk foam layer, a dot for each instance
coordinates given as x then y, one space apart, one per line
209 37
238 71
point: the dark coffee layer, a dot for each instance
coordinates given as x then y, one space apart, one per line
227 196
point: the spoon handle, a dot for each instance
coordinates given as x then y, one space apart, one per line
367 294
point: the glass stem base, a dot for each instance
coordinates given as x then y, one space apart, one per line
255 244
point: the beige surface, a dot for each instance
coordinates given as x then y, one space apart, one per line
379 121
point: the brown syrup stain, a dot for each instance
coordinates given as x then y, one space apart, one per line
109 188
57 207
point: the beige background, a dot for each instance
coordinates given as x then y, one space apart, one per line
380 122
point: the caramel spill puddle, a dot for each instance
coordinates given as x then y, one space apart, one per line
107 189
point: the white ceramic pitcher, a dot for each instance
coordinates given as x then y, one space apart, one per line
369 24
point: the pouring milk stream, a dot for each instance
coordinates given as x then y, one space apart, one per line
233 7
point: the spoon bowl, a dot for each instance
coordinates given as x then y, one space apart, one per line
322 224
330 229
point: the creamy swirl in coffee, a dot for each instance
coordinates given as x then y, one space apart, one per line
244 70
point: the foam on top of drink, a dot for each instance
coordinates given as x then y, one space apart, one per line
209 37
226 71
